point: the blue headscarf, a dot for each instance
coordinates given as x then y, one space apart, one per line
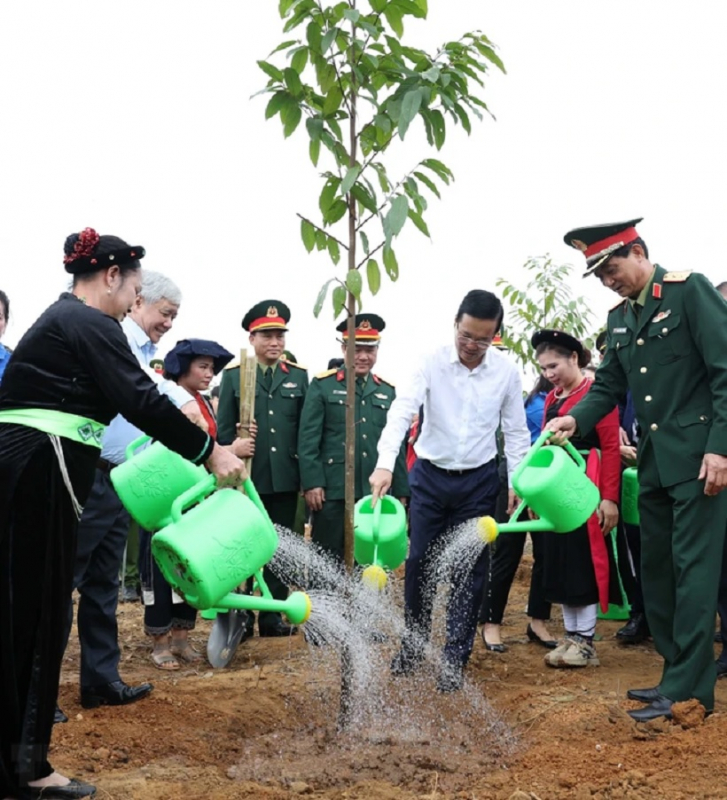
179 358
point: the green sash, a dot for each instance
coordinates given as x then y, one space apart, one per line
58 423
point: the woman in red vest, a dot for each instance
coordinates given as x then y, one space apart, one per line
579 571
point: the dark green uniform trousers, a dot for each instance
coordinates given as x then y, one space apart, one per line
327 528
281 508
682 536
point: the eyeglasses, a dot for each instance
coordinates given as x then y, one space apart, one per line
465 338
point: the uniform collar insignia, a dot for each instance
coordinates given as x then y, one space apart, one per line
339 391
656 291
661 315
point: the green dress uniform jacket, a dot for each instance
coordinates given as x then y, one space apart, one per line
278 408
322 438
673 357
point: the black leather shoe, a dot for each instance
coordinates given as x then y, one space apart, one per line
116 693
493 648
71 791
635 631
550 644
721 669
277 628
659 707
644 695
59 716
451 677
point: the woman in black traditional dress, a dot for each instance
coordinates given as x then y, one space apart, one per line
579 570
70 375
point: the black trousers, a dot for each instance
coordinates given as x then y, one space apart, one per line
162 615
440 502
505 560
102 534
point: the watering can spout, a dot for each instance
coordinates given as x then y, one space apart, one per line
297 607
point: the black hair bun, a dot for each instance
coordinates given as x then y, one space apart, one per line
70 244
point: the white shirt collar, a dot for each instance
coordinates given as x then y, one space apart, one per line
454 359
137 333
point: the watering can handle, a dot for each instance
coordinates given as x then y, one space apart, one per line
377 521
572 452
197 492
143 439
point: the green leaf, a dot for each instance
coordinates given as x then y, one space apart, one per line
373 275
390 264
334 98
364 242
419 222
314 151
463 117
432 74
333 250
409 109
335 212
292 81
352 15
438 128
396 216
283 46
314 36
354 283
328 194
299 60
276 102
321 241
339 300
349 179
327 39
270 70
383 177
284 6
291 115
394 18
308 235
364 197
321 297
315 128
378 5
439 169
491 55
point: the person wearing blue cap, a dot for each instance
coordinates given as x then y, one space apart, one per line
191 363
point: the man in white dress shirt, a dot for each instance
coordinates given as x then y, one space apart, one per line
468 390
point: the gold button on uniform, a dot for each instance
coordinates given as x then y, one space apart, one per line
643 370
363 402
665 330
648 398
271 412
272 430
654 426
639 341
274 449
702 418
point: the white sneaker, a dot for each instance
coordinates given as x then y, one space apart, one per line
578 653
554 658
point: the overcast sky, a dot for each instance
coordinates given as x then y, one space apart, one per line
135 118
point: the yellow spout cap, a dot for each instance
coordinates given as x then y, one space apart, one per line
374 577
487 529
297 607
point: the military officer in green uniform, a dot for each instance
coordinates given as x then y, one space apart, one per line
322 438
667 343
280 390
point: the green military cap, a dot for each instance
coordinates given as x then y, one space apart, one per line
288 356
598 242
601 342
267 315
368 329
157 364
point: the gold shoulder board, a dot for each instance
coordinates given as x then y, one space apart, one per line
298 366
388 383
676 277
326 373
233 365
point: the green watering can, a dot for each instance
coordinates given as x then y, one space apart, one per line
149 482
205 553
379 538
630 496
552 482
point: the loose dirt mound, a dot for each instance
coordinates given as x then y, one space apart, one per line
266 728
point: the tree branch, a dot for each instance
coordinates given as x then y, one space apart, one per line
318 228
375 250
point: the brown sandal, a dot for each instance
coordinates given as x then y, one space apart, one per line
186 653
164 660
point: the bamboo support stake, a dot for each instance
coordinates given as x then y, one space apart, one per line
248 378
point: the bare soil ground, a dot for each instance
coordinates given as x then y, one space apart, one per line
266 728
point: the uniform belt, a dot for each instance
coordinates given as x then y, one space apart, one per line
105 466
457 471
